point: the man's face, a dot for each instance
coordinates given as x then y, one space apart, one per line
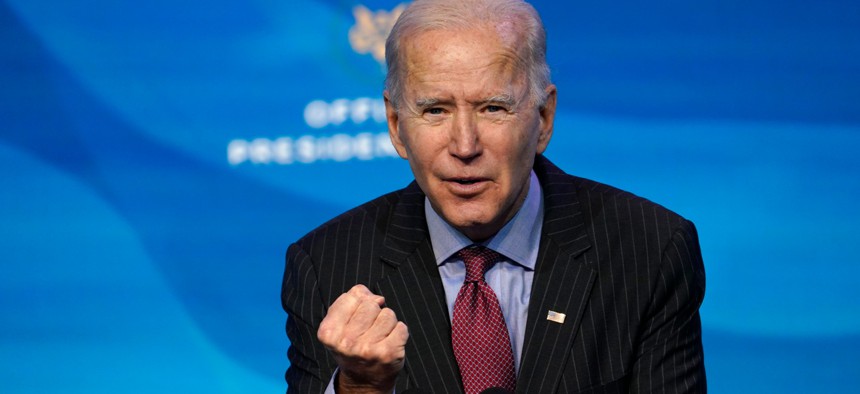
468 126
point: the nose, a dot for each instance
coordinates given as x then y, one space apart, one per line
465 143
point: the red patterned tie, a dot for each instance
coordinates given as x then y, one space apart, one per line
482 345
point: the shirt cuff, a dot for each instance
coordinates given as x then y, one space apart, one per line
330 388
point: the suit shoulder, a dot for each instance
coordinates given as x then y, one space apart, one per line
602 209
561 188
598 197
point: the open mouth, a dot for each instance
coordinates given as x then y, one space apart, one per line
466 187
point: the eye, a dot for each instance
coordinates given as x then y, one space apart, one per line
434 111
495 108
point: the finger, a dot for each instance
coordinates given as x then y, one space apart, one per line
399 335
360 291
385 322
363 293
365 310
395 344
338 315
362 319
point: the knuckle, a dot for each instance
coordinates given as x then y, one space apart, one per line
324 333
343 297
358 290
345 345
402 329
366 304
366 352
392 355
323 336
387 314
362 316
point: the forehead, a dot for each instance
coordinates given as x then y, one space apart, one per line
474 56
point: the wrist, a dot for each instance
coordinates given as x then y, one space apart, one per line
345 383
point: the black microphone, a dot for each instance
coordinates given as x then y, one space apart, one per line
496 390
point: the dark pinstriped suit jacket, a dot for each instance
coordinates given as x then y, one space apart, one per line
627 273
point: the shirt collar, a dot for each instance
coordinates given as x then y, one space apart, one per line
518 240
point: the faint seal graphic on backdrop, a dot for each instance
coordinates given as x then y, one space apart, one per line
371 29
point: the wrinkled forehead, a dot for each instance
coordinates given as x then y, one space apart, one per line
462 50
504 35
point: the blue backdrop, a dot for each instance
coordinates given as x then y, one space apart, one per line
157 158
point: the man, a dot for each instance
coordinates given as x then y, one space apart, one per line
585 288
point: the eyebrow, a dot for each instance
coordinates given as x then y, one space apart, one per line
425 102
504 99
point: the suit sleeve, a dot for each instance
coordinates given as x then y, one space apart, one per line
311 365
670 356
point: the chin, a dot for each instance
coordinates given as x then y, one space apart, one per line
475 215
466 214
471 225
464 221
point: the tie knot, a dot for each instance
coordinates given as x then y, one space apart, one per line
478 260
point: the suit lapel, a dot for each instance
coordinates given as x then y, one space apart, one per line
562 284
413 288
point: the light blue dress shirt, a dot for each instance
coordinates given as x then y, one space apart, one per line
511 278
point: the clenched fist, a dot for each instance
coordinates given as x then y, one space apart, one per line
367 341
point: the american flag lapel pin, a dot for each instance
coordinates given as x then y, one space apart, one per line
555 317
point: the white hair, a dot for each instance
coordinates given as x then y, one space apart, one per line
426 15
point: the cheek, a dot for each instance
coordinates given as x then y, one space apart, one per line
427 143
518 145
422 152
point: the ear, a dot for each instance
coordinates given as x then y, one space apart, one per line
547 117
394 126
